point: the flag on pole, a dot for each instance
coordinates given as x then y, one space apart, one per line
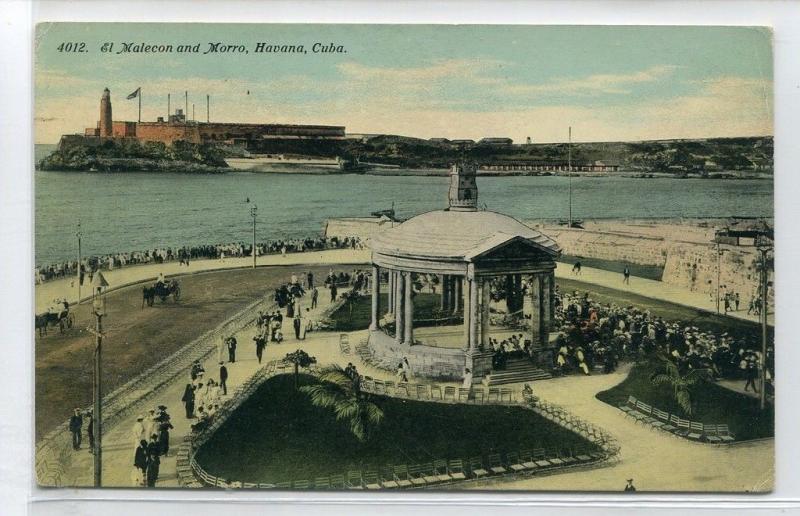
134 94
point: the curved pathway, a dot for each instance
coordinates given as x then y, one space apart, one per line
655 460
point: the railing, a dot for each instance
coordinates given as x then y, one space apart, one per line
435 473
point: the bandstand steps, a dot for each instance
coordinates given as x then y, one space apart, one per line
515 372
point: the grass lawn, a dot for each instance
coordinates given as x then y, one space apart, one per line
277 435
706 321
355 314
710 403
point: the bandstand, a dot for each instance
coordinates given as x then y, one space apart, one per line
467 250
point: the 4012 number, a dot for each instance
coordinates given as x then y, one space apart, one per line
72 47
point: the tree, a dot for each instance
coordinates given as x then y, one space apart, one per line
682 385
337 391
300 359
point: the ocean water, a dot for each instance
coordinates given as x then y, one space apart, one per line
123 212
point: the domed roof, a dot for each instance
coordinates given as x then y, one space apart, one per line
457 235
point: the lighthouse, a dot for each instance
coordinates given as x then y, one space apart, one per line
106 129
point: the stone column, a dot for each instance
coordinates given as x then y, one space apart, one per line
552 302
408 334
376 297
467 312
486 296
547 289
443 293
391 292
398 308
536 312
458 294
474 314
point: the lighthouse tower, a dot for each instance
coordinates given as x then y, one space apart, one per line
463 189
105 115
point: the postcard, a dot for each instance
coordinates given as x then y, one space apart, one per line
398 257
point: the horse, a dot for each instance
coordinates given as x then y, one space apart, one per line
63 319
148 296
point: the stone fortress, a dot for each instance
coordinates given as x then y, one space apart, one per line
178 127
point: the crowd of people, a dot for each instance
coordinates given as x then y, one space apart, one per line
595 335
184 255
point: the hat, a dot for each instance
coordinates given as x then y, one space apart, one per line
162 407
139 417
222 363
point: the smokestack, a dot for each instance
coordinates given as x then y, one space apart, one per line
192 111
168 107
186 100
208 108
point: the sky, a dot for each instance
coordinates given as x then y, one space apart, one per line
610 83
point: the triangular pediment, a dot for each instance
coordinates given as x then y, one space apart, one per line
508 247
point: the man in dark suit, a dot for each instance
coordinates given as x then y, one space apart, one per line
334 292
188 400
75 424
231 349
310 280
223 377
296 324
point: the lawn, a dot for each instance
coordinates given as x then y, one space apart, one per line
277 435
355 314
711 403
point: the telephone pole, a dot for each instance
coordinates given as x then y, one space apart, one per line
569 174
253 212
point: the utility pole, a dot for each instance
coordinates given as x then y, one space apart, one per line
186 105
168 107
253 211
208 108
719 256
97 394
79 235
569 174
192 111
763 248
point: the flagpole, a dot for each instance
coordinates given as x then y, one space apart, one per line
569 171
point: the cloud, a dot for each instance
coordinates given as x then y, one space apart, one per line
617 84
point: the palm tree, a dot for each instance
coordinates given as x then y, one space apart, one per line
682 385
337 391
300 359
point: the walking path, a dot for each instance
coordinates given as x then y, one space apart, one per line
67 287
655 460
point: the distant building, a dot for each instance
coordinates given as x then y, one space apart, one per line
462 142
438 140
178 128
495 141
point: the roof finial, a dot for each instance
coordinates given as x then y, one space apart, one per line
463 188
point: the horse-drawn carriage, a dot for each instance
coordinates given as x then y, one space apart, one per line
64 319
161 290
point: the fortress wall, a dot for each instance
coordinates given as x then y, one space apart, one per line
639 249
694 267
166 133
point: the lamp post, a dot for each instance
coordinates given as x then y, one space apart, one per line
78 234
253 212
99 288
764 246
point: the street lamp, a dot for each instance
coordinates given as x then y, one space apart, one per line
253 212
764 245
99 289
720 252
79 234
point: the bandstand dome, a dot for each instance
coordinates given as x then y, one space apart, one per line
456 235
